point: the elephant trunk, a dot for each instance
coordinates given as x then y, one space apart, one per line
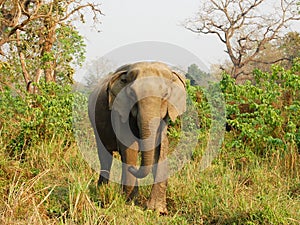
149 122
146 162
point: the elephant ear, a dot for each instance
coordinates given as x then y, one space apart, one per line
117 82
177 97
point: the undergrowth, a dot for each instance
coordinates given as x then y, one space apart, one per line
255 179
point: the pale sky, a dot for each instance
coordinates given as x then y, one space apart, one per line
131 21
156 20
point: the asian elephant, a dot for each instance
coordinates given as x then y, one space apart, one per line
129 111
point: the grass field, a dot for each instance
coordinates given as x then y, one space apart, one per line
50 183
255 179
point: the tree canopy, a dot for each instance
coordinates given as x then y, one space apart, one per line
39 40
196 75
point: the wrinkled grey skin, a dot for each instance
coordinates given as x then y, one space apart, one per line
142 96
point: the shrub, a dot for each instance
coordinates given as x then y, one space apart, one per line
30 118
264 115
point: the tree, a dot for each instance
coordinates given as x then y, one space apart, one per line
196 75
243 28
97 69
38 39
287 48
291 46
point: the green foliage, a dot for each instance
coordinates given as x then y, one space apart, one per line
264 116
31 118
44 178
50 45
69 50
196 75
197 118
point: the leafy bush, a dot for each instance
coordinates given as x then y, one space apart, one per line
30 118
264 115
193 126
49 183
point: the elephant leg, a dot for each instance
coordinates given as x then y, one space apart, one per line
105 158
157 200
105 162
129 158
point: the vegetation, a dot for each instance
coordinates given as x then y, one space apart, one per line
194 74
254 180
245 28
39 41
44 178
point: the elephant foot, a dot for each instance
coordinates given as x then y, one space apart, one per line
102 180
131 192
157 206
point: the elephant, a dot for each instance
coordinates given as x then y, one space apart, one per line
129 111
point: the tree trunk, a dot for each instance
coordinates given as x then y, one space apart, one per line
25 73
47 50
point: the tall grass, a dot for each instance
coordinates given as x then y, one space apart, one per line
255 179
54 185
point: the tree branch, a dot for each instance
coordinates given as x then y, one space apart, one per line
242 27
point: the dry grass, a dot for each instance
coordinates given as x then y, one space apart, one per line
52 184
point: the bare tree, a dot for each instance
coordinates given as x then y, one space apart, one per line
244 26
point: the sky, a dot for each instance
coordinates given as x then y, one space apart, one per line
131 21
134 21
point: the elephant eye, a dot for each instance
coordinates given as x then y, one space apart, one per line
124 80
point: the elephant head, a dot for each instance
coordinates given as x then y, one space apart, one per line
151 93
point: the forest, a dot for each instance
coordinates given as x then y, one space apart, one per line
253 179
